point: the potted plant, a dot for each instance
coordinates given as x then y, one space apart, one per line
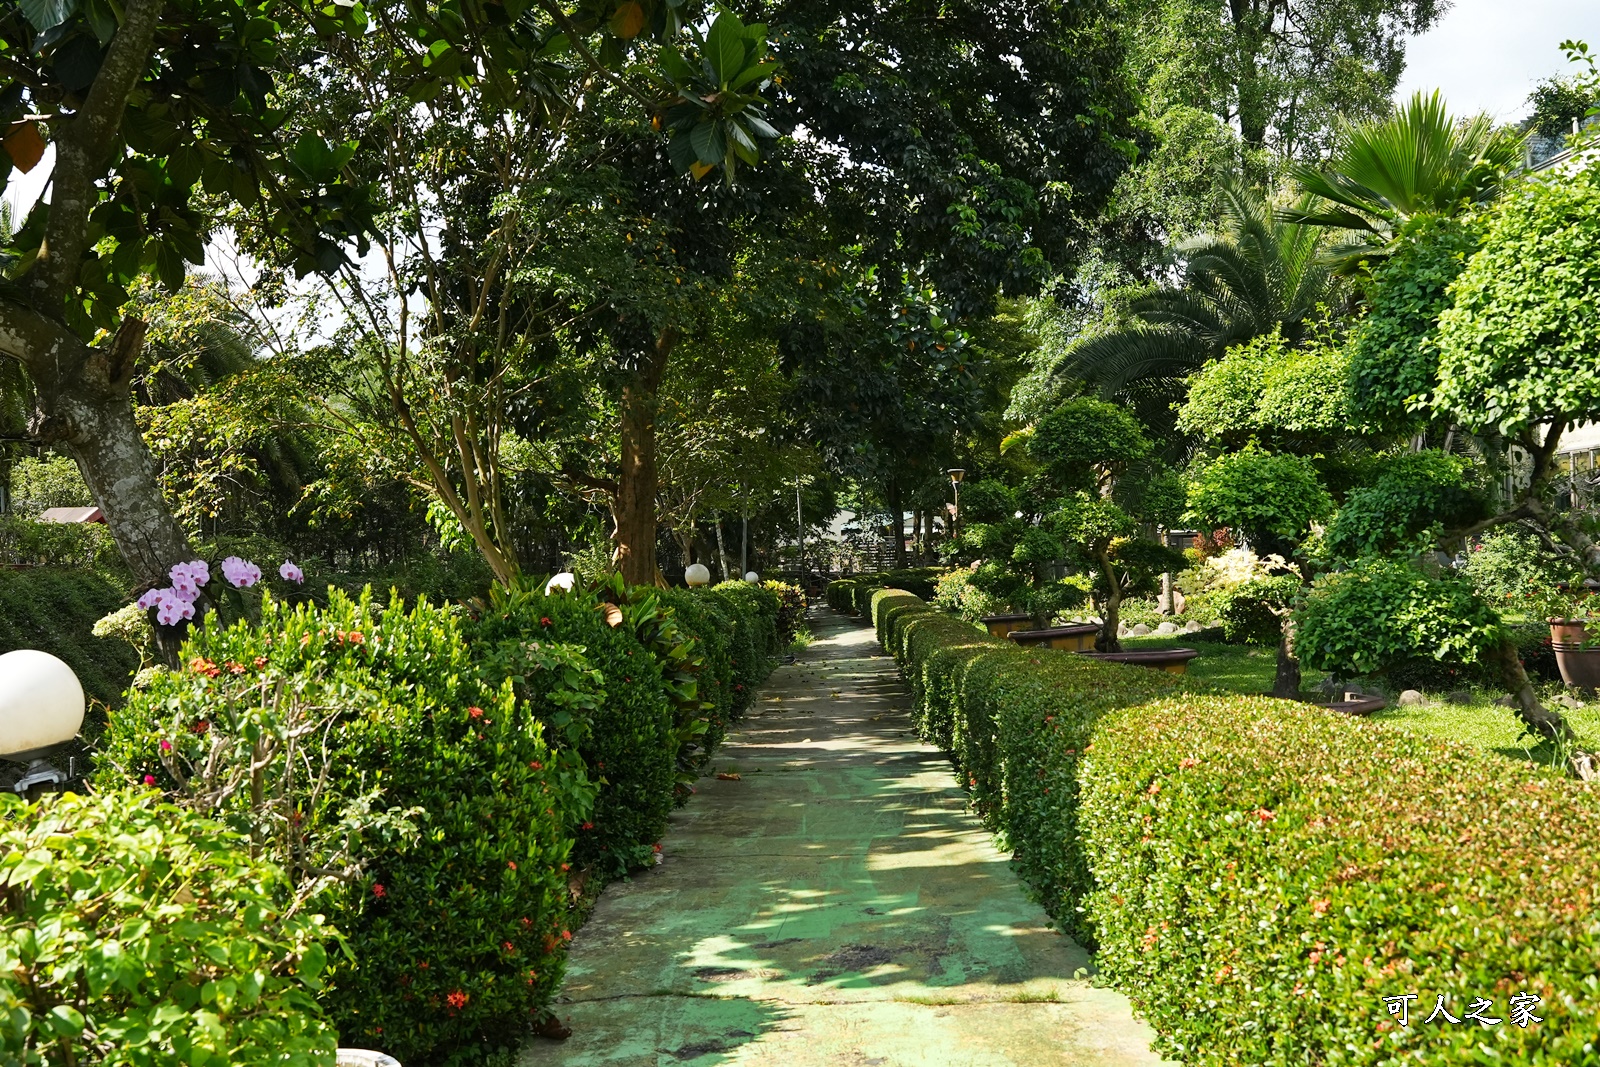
1577 649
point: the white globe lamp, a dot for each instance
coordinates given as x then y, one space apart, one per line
561 583
697 574
752 577
41 706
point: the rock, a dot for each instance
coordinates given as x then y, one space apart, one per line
1166 629
1567 700
1410 698
1179 602
1192 627
1139 630
1507 701
1122 629
1459 696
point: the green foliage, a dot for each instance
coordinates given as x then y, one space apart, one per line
1518 344
1415 493
1272 497
1508 566
133 932
1383 611
1251 612
988 500
702 722
1293 868
1394 361
55 611
1084 437
50 481
957 592
626 739
1269 389
58 544
791 611
421 810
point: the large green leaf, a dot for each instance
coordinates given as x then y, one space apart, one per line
47 14
726 48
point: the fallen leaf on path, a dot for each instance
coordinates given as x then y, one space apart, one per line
729 778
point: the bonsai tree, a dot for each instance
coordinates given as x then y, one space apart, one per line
1100 461
1014 555
1273 498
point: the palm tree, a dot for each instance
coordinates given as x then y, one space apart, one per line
1417 161
1258 273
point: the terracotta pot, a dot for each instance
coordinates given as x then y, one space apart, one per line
1171 660
1001 625
1580 666
1067 638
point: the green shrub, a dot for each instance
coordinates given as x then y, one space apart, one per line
1509 568
133 932
1383 611
754 611
1248 611
627 738
706 619
54 610
956 593
1267 873
841 595
791 611
1414 492
421 810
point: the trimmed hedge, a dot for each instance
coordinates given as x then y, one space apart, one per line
854 594
55 609
1260 874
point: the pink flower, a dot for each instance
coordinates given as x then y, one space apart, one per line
291 573
149 599
171 606
166 746
189 577
149 779
241 574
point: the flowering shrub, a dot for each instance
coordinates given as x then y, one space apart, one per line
133 932
791 611
419 808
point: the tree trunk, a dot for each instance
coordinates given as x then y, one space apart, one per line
86 406
1107 640
1286 685
917 548
1541 721
897 525
635 508
722 554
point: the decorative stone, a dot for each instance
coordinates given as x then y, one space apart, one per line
1459 696
1192 627
1140 630
1566 700
1410 698
1166 629
41 702
1179 602
1507 701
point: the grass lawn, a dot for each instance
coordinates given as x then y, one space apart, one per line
1250 669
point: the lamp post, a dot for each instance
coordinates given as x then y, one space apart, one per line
956 474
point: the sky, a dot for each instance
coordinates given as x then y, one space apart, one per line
1487 55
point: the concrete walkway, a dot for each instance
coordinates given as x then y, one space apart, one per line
836 905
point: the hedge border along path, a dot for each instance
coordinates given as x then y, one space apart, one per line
1259 874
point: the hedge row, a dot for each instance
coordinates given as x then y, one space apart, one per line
55 609
853 595
1259 875
429 780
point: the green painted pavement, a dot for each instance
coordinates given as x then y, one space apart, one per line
836 905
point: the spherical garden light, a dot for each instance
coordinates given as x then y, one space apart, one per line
561 583
752 577
697 574
41 706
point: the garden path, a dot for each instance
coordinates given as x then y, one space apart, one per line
836 905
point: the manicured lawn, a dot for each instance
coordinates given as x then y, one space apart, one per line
1249 669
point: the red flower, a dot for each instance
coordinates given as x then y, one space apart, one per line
508 946
235 668
201 665
1187 763
564 866
1265 814
566 935
526 922
536 765
475 712
587 826
457 1000
202 726
149 779
260 661
512 864
166 746
544 620
601 764
380 892
356 637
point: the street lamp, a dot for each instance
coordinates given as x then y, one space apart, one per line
697 574
956 474
41 706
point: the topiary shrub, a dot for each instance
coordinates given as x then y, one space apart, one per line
1250 611
133 932
1384 611
419 808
